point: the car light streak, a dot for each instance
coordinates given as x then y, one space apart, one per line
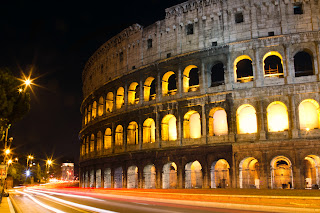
90 208
64 194
42 204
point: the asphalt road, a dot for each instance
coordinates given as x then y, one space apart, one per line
37 201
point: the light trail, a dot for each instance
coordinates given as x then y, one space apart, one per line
64 194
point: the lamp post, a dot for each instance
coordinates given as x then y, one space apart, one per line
48 164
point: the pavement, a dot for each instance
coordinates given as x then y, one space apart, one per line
6 205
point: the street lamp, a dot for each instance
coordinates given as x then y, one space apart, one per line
30 157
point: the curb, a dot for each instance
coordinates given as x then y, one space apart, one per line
14 204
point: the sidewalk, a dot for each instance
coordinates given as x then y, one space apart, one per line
6 206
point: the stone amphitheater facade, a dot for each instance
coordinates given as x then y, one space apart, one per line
219 94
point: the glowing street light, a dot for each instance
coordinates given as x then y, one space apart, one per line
10 162
7 151
30 157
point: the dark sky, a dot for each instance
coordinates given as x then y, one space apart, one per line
57 38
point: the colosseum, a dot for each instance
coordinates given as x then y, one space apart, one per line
219 94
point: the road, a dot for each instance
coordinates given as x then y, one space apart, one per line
38 201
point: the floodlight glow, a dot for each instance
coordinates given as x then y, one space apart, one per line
28 173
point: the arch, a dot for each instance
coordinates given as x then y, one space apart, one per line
118 177
169 176
149 175
277 117
218 124
94 110
281 173
98 178
100 107
169 85
169 128
109 102
190 78
220 177
120 98
85 116
108 138
132 177
312 171
119 136
303 63
246 119
217 74
193 176
107 178
89 113
243 70
150 89
249 175
92 143
309 114
99 141
273 64
192 125
132 133
133 93
149 131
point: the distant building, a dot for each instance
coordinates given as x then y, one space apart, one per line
67 170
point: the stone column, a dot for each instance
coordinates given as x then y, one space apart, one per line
113 133
233 172
141 96
181 175
158 127
179 75
102 176
158 176
288 67
265 176
94 178
229 74
112 177
262 121
292 112
140 130
257 72
125 176
126 95
205 176
158 87
317 60
204 123
203 78
180 128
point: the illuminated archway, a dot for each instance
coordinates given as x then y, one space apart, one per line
169 85
92 143
87 145
192 125
107 178
150 89
218 124
94 110
100 107
243 71
107 138
85 116
149 174
132 177
246 119
119 136
118 177
249 175
193 176
99 141
277 117
132 133
109 102
149 131
169 128
169 176
273 64
120 98
303 64
281 173
220 174
83 148
133 93
309 114
312 171
98 178
190 78
89 113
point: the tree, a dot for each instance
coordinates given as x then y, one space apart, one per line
13 104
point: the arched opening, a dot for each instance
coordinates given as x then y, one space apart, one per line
149 174
133 93
98 178
132 133
150 89
132 179
119 136
94 110
107 138
312 171
83 148
281 173
89 113
169 128
193 176
277 117
85 116
246 119
120 98
217 74
218 124
309 114
192 125
249 175
118 177
243 69
87 145
92 143
303 64
91 183
100 107
149 131
109 102
169 176
272 65
220 174
190 78
99 141
169 86
107 178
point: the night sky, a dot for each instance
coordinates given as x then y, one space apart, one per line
56 38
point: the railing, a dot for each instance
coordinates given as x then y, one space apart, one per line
245 79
